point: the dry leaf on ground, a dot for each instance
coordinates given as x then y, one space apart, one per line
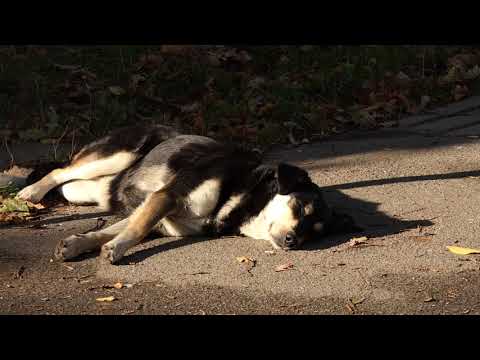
358 241
355 301
462 250
118 285
284 267
245 259
106 299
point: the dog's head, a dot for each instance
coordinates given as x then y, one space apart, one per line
298 213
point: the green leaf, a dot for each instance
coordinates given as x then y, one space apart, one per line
12 205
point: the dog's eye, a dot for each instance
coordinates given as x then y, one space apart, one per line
308 209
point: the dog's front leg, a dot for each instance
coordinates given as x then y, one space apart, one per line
156 206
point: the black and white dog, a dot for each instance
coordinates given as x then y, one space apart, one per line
186 185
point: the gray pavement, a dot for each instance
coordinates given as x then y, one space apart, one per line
415 189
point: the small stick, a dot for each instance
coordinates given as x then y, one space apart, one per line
12 160
57 143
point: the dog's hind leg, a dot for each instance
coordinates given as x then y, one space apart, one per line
156 206
78 244
83 168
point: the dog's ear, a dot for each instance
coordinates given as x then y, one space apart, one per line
288 177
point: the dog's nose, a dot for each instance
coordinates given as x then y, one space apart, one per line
290 239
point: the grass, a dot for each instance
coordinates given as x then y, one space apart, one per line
257 94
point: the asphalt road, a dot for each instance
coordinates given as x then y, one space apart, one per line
415 189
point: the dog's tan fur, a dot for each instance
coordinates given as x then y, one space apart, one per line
155 207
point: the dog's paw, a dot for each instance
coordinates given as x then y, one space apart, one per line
31 193
68 248
111 252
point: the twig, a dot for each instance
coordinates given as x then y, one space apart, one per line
72 150
12 160
57 143
196 273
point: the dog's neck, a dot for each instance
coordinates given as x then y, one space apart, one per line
243 206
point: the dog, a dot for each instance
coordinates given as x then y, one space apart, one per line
186 185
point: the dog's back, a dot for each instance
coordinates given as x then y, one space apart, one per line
198 169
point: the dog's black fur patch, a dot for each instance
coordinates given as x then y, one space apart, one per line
136 139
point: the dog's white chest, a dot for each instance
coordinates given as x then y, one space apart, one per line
199 204
203 199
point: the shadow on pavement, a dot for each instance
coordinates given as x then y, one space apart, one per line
375 224
405 179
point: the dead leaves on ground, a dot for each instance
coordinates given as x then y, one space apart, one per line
17 211
368 92
250 263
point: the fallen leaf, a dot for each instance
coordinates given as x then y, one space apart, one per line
244 259
357 241
118 285
357 301
35 206
429 299
284 267
106 299
462 250
12 218
117 90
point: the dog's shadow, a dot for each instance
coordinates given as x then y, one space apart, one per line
373 223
